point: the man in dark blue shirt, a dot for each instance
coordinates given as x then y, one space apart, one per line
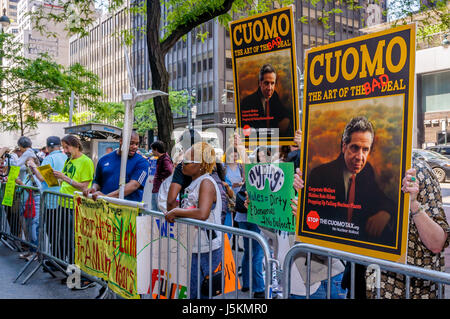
106 181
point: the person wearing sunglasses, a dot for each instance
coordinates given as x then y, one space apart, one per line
202 201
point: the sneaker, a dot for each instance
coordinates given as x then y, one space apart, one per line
30 257
85 284
101 292
25 255
259 295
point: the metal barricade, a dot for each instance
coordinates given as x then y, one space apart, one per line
56 237
56 242
378 265
237 235
19 223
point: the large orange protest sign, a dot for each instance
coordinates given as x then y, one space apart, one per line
230 268
105 243
358 100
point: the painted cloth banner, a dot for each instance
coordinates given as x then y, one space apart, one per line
164 258
265 77
8 196
105 243
357 143
270 190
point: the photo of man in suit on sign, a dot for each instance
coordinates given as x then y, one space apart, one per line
264 108
344 192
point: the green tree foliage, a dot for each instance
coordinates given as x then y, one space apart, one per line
34 89
182 17
112 113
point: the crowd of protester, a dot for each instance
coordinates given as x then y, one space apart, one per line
202 187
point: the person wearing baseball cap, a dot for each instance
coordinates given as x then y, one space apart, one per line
56 159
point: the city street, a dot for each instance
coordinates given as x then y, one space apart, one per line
41 286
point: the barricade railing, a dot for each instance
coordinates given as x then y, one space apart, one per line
409 271
55 250
237 235
56 245
19 223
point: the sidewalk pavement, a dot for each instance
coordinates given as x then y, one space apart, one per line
43 286
40 286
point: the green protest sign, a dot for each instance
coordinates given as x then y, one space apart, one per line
270 190
10 187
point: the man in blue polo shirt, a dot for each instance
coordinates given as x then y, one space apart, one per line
106 181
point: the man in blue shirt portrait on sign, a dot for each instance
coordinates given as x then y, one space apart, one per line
106 180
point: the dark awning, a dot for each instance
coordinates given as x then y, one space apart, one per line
94 130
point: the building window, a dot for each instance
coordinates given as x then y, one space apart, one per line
436 91
228 63
210 62
210 93
230 89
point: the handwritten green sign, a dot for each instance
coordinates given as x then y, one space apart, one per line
270 190
10 187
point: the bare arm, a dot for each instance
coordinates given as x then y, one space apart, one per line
81 186
431 233
36 172
172 195
130 187
206 198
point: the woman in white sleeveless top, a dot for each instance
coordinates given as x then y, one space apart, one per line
203 202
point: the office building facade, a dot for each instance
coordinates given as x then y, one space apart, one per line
200 63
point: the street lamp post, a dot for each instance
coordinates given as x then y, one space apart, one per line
130 100
191 108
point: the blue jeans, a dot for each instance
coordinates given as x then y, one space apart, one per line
32 223
336 292
216 256
257 260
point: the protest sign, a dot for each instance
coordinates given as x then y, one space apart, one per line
105 243
8 196
164 256
265 69
230 272
269 188
47 173
358 100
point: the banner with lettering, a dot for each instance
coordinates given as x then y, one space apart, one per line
8 195
357 143
265 77
105 243
270 190
164 258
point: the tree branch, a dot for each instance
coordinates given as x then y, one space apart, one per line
183 29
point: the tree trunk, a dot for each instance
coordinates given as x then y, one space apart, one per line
160 76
